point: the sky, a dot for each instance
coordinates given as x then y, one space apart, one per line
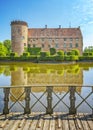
38 13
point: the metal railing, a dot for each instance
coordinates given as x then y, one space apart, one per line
49 95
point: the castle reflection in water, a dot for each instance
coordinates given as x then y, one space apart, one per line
45 75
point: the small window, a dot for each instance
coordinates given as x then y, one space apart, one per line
64 45
76 44
34 45
24 44
70 45
50 39
42 45
56 45
77 39
33 39
23 37
42 39
65 39
29 45
71 39
49 46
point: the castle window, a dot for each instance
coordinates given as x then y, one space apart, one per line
23 37
76 44
56 45
65 39
70 45
42 39
34 45
71 39
77 39
24 44
49 46
29 45
64 45
42 45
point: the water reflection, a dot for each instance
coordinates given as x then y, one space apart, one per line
43 75
47 75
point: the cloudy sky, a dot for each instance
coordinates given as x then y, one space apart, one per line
38 13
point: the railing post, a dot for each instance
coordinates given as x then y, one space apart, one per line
6 100
27 109
72 109
49 109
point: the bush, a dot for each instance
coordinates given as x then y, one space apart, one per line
75 52
52 51
44 54
60 53
34 50
13 54
26 54
67 58
59 58
74 57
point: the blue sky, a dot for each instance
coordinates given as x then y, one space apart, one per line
38 13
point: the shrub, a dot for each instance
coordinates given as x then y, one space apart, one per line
60 53
59 58
52 51
26 54
34 50
75 52
13 54
74 57
67 58
44 54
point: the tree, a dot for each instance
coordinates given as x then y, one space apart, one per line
7 44
3 50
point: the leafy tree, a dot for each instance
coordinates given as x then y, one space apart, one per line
7 44
3 50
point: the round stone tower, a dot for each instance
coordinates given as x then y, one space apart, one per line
19 36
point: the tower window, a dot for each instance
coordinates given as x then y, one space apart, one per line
24 44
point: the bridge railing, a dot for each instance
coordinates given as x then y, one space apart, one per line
51 100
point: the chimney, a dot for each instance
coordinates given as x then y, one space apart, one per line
59 26
45 26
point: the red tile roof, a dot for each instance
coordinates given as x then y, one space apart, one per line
54 32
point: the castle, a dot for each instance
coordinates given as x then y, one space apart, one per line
59 38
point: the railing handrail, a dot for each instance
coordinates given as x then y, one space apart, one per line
47 85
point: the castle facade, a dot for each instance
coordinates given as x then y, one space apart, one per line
59 38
